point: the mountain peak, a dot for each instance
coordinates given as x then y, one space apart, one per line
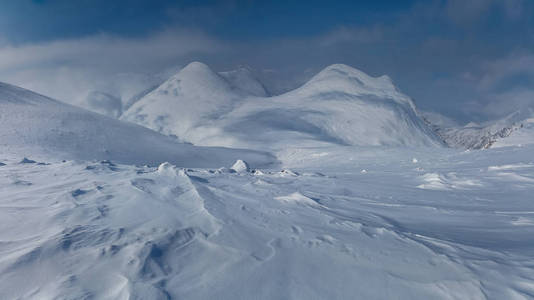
196 78
340 78
357 77
197 66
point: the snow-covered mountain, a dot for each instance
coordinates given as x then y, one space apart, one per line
193 97
515 129
337 222
31 124
340 105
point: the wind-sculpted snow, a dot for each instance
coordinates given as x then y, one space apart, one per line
415 225
31 124
340 105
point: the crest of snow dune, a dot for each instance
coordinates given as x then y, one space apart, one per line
31 124
340 105
240 166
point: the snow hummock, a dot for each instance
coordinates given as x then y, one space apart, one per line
113 231
35 125
340 105
240 166
296 198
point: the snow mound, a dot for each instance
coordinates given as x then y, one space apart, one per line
240 166
39 126
297 198
450 181
340 105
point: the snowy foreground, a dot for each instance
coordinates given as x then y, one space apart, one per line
329 223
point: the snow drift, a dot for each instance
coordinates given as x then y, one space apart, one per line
31 124
340 105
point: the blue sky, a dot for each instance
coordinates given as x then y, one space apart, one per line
469 60
38 20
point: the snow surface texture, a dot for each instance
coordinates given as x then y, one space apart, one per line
32 124
454 225
340 105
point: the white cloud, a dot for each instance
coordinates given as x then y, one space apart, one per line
504 85
464 12
509 101
67 69
517 63
350 35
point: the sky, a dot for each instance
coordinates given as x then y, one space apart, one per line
467 60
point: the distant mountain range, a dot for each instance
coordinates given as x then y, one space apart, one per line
340 105
516 129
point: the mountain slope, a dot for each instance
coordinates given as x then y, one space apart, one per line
37 126
514 129
340 105
196 95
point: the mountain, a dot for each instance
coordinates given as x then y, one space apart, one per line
193 98
523 135
514 129
38 126
340 105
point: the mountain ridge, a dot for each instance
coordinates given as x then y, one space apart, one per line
38 126
208 111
